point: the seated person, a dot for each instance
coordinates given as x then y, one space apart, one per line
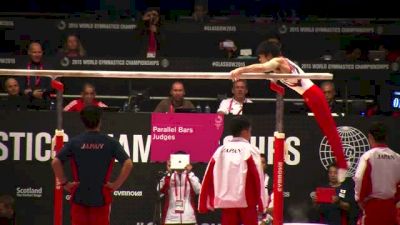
177 99
7 210
15 99
343 209
73 47
88 97
200 12
354 54
35 87
328 88
234 105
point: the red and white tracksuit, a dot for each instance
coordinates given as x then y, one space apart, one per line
234 183
315 100
179 187
78 104
376 180
398 203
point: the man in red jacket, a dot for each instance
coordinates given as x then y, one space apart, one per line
88 98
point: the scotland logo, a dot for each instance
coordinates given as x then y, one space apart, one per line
355 143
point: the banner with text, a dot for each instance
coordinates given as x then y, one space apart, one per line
25 156
195 134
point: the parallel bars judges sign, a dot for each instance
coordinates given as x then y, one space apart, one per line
195 134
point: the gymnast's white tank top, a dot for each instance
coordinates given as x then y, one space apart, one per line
298 85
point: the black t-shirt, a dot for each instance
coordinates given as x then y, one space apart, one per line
336 107
331 213
349 197
92 154
34 82
7 221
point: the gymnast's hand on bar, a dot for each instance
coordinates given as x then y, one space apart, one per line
235 74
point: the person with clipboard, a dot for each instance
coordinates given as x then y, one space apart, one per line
335 201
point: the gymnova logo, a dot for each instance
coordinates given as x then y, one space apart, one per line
128 193
355 143
119 194
29 192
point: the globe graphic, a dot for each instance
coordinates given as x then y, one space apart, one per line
355 143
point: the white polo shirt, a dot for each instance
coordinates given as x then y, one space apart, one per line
231 106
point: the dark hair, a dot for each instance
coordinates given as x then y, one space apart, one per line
152 8
90 116
328 83
156 9
333 164
81 49
268 47
378 131
6 80
181 152
273 36
8 201
238 124
88 85
243 81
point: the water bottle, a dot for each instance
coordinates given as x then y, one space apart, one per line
207 109
198 108
52 105
136 108
125 108
268 220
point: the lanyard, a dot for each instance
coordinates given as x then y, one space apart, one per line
172 107
37 79
181 196
230 107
